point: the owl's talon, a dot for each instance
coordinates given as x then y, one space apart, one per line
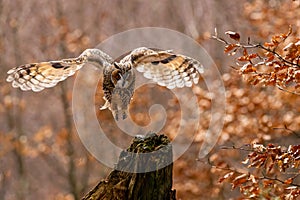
124 115
105 106
117 117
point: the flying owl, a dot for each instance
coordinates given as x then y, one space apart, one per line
163 67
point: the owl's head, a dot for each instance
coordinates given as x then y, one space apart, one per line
122 78
124 83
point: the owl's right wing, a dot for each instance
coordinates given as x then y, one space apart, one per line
166 68
38 76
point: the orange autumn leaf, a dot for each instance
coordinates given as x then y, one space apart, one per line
233 35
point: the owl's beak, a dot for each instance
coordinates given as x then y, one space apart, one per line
124 78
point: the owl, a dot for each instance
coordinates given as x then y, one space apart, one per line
163 67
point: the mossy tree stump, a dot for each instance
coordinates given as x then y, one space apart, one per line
144 171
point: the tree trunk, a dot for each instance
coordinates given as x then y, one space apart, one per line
140 174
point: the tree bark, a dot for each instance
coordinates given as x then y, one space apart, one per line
144 171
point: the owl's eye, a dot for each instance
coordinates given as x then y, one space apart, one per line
115 76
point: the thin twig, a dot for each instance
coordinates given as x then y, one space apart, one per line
278 180
219 39
249 46
287 129
236 148
278 56
288 91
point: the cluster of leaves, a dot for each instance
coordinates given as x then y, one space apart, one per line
252 115
273 169
274 63
268 161
284 159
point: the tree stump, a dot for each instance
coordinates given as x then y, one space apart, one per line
144 171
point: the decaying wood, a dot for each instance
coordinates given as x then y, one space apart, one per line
130 181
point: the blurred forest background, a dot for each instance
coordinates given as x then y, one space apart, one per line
41 156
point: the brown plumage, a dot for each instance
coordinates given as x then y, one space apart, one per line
163 67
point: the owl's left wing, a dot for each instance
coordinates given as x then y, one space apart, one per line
38 76
166 68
